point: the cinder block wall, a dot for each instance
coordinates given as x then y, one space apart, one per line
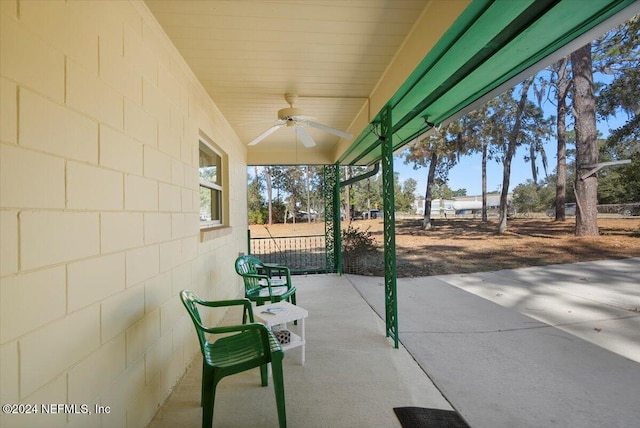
99 126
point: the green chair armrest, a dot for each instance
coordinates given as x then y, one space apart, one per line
234 328
270 267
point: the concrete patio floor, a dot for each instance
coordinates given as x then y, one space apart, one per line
537 347
352 375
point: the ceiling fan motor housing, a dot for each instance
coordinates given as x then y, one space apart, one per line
289 113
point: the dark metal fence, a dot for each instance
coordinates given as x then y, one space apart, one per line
301 254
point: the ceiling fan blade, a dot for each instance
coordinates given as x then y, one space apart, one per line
265 134
330 130
304 137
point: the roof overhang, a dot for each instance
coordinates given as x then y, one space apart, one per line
428 60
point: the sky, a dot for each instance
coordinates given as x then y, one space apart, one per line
467 174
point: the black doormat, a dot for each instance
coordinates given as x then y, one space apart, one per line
421 417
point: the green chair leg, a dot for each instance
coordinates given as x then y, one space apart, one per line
264 376
278 386
209 402
206 380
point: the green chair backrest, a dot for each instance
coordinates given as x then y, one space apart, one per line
190 300
246 267
248 264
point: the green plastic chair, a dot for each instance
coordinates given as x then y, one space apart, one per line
252 345
260 283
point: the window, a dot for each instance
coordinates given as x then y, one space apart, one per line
211 186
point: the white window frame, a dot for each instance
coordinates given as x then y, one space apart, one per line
216 188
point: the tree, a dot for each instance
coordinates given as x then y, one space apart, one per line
440 150
478 127
316 188
508 132
536 147
525 197
293 184
307 189
584 108
267 176
617 54
347 194
404 200
530 197
562 85
459 192
620 184
255 200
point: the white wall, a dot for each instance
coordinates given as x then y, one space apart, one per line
99 126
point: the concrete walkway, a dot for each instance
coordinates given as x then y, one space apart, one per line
537 347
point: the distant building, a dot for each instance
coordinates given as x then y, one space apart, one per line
459 205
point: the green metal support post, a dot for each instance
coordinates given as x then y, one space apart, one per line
390 279
331 222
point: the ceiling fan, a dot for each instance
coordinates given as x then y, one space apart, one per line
295 117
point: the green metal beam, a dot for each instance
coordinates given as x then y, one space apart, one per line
364 176
491 42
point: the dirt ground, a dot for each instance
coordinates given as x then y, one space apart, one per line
465 245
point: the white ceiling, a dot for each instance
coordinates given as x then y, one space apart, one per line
332 54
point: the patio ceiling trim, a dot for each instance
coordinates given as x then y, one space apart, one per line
490 44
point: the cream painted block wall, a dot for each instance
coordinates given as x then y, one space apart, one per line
99 210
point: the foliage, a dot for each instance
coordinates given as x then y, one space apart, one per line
257 216
293 182
443 191
440 150
617 54
618 184
278 209
404 200
458 192
529 197
356 241
255 200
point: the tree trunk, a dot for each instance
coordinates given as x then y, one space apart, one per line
426 223
504 194
512 144
484 182
561 178
584 105
347 196
368 217
534 169
267 174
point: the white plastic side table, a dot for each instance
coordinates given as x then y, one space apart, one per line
283 313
